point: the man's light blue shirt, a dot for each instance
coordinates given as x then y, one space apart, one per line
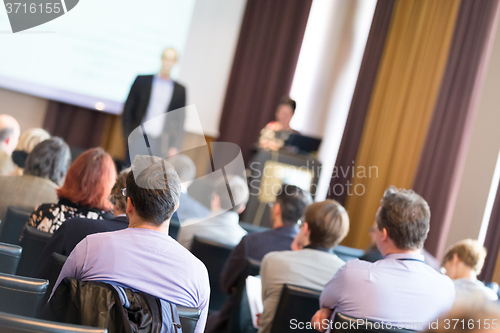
400 288
161 95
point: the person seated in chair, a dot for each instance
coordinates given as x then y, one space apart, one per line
76 229
400 287
222 224
143 257
312 263
285 213
463 262
189 207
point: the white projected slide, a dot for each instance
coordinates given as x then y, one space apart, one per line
91 55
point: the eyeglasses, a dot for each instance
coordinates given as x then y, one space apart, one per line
124 192
271 204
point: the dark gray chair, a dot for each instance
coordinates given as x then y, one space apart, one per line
15 220
240 313
213 254
189 318
9 258
18 324
296 303
347 253
56 265
173 228
33 243
21 295
342 324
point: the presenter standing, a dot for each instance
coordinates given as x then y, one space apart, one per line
153 95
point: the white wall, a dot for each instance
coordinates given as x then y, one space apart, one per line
481 157
28 110
208 58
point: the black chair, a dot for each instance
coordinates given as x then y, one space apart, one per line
21 295
347 253
173 228
241 307
189 318
297 304
56 265
15 220
9 258
18 324
33 243
213 254
342 324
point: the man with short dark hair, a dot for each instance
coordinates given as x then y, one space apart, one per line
143 257
45 170
9 136
286 211
400 288
222 224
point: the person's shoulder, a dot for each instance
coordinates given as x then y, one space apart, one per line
178 85
276 257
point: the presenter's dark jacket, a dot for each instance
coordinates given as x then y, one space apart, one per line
137 104
69 234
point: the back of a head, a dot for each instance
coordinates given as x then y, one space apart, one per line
184 166
470 252
293 202
154 188
9 129
406 216
116 197
90 179
49 159
328 222
239 193
30 138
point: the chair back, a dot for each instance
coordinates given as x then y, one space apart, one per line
342 324
213 254
15 220
189 318
18 324
56 265
348 253
9 258
296 303
240 305
33 243
21 295
173 228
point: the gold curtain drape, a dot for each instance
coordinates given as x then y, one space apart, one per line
401 106
112 137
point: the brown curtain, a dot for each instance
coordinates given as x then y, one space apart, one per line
79 127
361 98
401 107
492 243
442 161
263 67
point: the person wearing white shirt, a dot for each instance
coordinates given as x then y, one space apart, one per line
463 262
400 288
221 224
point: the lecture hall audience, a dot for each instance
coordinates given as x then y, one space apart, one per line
221 224
75 229
285 213
400 287
311 264
151 261
46 167
27 141
84 194
463 262
9 136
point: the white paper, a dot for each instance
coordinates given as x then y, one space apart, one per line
254 293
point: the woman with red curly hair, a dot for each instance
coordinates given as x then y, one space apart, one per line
85 192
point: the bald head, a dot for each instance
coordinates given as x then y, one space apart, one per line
9 133
168 60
